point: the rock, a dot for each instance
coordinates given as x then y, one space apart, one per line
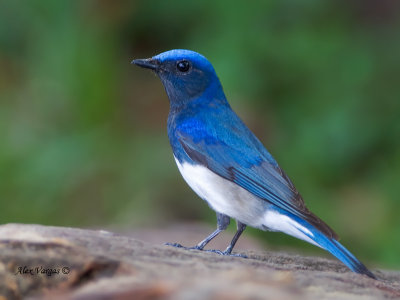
42 262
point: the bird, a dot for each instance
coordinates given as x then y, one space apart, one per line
226 165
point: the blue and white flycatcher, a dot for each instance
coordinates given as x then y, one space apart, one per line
226 165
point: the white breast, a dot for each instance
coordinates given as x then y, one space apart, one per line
232 200
224 196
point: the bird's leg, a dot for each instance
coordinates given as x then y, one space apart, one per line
228 251
222 223
240 228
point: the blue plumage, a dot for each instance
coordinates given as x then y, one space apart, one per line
225 163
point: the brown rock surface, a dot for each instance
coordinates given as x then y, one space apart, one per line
67 263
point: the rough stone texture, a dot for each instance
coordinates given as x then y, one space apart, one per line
104 265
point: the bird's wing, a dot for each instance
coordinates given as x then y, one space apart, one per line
241 160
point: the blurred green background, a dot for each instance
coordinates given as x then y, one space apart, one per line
83 133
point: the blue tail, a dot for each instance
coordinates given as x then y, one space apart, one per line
344 255
334 247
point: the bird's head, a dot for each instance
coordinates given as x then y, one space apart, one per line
185 74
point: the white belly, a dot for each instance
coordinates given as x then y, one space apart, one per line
232 200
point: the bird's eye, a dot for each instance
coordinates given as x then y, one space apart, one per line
183 66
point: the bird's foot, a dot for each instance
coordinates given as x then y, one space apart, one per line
226 253
177 245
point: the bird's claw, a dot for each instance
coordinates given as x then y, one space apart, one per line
174 245
225 253
239 255
177 245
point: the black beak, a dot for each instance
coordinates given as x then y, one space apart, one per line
148 63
